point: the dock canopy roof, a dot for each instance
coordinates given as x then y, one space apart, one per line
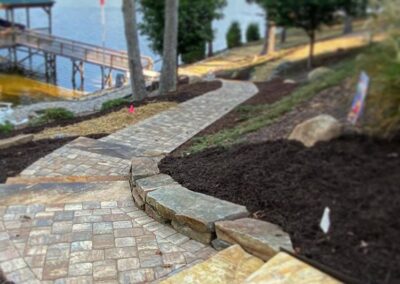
12 4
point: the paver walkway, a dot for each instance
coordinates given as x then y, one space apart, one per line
89 230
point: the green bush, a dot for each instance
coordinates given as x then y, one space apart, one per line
382 109
5 128
112 104
252 33
234 35
52 114
194 53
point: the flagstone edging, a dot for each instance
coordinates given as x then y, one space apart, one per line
201 217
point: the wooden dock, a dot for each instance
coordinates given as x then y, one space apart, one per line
75 50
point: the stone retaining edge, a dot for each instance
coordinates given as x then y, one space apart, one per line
139 176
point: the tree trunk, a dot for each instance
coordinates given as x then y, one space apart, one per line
169 67
283 35
132 39
348 24
311 55
210 49
271 37
266 37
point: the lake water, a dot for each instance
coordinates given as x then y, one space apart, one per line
81 20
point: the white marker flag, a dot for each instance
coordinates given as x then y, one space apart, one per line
325 221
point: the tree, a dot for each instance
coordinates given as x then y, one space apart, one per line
252 32
269 7
351 9
308 15
195 26
132 39
234 35
169 66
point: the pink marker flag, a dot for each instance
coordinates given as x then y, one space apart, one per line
131 109
102 2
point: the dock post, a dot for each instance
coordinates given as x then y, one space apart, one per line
28 25
78 67
102 77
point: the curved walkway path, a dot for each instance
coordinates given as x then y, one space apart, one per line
70 218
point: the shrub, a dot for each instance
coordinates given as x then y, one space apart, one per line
112 104
5 128
194 53
234 35
382 110
382 64
52 114
252 33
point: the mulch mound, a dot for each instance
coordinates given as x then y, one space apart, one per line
15 159
184 92
287 184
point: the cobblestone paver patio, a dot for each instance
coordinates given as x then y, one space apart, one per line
93 232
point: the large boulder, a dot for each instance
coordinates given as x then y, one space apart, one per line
317 73
320 128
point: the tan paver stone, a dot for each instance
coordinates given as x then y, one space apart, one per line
116 253
128 264
103 241
55 269
35 250
21 275
103 228
81 246
62 227
230 266
122 224
80 269
125 242
283 268
82 227
86 256
137 276
36 261
105 270
12 265
131 232
59 251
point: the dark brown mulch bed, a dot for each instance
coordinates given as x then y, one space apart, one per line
15 159
287 184
269 93
185 92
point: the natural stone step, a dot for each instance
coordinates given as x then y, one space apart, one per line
198 212
232 265
284 269
146 185
56 193
259 238
63 179
14 141
142 186
142 167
